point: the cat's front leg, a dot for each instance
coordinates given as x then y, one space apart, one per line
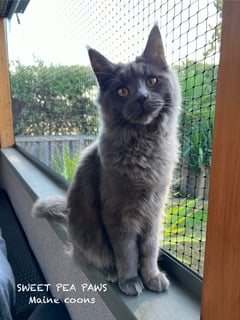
126 254
153 279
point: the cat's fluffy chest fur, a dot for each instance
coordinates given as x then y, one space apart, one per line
143 155
137 164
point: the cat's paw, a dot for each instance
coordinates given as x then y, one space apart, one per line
158 283
131 286
110 274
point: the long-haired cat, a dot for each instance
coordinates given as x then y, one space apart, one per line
115 205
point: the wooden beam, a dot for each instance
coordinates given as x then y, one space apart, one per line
6 122
221 282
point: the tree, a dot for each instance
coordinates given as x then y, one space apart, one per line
53 100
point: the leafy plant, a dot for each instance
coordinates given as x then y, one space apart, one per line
197 139
181 233
198 82
176 220
65 165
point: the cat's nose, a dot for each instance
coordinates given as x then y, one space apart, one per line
142 97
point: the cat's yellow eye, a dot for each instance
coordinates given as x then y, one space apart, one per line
123 92
151 82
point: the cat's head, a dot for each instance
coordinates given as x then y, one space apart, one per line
136 92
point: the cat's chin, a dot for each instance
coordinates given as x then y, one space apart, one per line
145 120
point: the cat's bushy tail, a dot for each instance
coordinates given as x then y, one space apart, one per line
54 208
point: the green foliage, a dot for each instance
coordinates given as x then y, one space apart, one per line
53 99
176 220
198 82
183 236
65 164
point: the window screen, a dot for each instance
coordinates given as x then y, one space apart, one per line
54 91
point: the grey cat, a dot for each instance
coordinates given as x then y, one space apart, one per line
115 204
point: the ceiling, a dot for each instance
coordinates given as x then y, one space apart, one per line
9 7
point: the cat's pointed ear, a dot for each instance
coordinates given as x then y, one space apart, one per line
154 51
102 67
